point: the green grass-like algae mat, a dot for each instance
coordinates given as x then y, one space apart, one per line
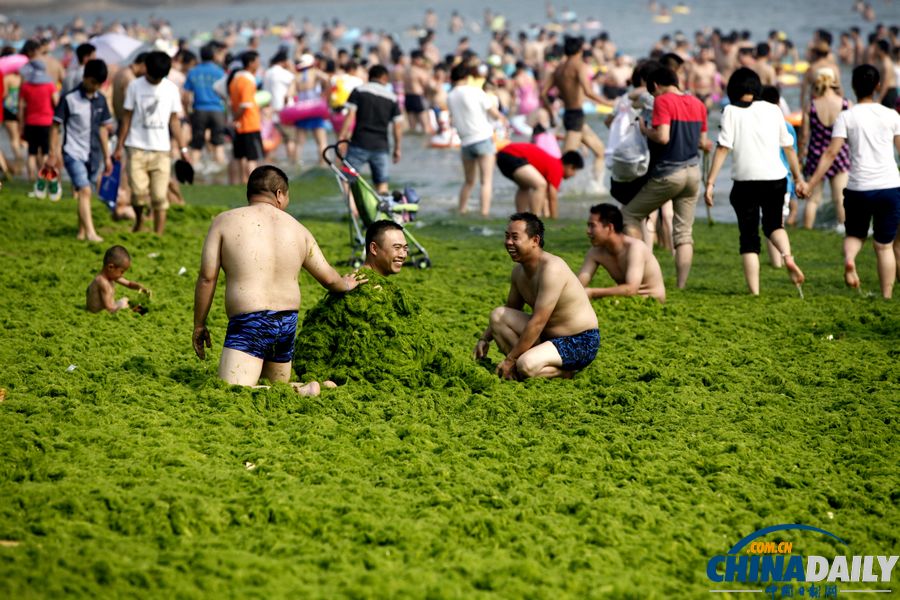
137 474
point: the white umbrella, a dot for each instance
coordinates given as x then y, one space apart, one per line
114 48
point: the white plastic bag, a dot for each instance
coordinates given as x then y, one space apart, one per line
627 153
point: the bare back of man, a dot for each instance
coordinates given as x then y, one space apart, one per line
261 249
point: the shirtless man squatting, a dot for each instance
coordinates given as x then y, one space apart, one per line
561 336
629 261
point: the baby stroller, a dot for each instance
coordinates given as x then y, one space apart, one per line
400 207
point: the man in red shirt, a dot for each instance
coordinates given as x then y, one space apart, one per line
538 176
37 98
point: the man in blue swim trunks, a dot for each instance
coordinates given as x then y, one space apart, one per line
261 249
560 337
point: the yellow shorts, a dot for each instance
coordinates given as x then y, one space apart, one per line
148 176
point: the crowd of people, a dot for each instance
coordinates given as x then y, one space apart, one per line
180 101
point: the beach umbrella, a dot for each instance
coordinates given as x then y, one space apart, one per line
12 63
114 48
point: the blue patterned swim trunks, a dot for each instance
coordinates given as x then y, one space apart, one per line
267 334
579 350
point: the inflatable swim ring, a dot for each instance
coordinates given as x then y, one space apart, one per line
315 108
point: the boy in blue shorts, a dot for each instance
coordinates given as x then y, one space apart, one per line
80 141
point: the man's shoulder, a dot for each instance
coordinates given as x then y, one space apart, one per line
376 90
553 264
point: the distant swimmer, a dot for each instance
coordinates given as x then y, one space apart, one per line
561 336
573 85
629 261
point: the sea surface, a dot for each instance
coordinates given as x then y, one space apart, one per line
436 173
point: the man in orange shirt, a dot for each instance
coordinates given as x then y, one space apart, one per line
247 141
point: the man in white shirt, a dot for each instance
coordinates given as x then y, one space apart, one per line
152 107
873 191
278 80
469 109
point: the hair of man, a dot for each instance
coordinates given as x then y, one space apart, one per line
266 180
96 69
375 231
533 225
865 79
609 214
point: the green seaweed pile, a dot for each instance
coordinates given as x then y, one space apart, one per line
129 470
379 332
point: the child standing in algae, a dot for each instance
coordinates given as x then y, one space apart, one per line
101 291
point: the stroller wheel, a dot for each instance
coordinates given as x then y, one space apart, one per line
423 263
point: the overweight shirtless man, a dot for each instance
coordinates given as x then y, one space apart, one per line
261 249
629 261
571 81
560 337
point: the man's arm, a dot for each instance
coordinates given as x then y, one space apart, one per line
550 289
205 290
317 266
588 268
124 128
794 164
513 300
178 134
717 162
348 119
659 134
104 148
634 275
21 114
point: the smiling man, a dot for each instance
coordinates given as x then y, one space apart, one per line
629 261
386 247
560 337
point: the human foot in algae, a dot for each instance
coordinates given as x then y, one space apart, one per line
138 473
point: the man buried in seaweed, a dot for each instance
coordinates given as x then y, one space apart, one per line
380 333
261 249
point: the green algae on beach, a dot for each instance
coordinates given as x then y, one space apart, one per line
378 331
137 473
